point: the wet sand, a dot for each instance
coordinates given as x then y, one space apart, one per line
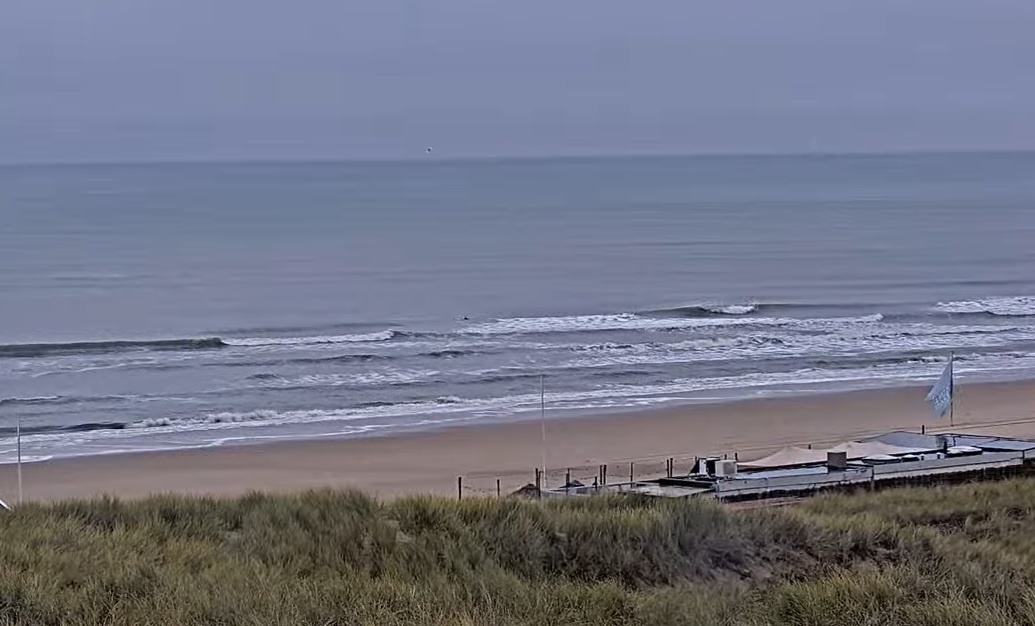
430 462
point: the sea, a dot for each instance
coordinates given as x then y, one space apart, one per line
159 306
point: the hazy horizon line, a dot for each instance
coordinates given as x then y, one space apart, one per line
432 159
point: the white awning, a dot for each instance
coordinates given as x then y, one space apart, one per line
795 455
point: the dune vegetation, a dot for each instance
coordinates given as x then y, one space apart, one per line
947 555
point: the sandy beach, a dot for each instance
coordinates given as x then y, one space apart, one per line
431 462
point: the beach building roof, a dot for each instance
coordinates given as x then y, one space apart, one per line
795 455
937 441
891 458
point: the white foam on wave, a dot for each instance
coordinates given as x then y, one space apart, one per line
617 395
622 394
857 342
733 309
25 458
630 321
445 404
383 335
700 343
180 432
362 378
347 431
1005 306
29 400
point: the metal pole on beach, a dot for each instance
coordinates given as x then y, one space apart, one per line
542 417
18 436
952 390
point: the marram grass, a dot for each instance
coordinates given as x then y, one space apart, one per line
952 555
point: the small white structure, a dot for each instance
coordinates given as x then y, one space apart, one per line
725 469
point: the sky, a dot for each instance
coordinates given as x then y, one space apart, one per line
146 80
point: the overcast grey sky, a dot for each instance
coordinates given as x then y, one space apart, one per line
97 80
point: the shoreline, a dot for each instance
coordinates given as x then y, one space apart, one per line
158 440
430 461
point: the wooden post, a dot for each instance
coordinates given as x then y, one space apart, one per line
923 429
567 479
459 487
604 481
631 472
498 493
736 457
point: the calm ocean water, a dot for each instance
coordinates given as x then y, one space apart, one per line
158 306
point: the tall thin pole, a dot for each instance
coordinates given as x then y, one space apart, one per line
542 417
18 430
952 391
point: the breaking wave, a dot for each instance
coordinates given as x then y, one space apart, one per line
347 358
706 310
29 350
756 308
1018 306
264 376
448 354
704 343
33 350
384 335
64 400
11 431
264 417
633 321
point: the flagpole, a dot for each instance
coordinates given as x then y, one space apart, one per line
18 430
542 418
952 390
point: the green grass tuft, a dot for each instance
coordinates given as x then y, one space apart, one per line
944 555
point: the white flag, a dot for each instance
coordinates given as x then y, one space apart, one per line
940 396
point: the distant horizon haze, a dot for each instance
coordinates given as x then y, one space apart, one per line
161 81
445 160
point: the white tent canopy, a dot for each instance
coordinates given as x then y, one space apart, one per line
795 455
